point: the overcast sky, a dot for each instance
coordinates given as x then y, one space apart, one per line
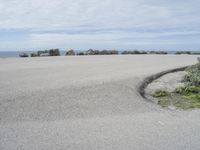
100 24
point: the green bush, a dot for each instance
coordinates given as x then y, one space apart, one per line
80 53
34 55
183 52
23 55
134 52
54 52
158 52
103 52
193 75
71 52
187 89
51 52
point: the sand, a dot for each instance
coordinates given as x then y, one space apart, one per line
168 82
90 102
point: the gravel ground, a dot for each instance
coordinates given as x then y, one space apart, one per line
90 102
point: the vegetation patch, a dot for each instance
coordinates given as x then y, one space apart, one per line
191 94
186 97
160 93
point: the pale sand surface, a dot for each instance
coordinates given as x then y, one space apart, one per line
168 82
90 102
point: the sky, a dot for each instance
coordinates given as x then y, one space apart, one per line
100 24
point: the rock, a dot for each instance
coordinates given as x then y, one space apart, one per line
172 107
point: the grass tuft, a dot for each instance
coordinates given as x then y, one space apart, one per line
160 93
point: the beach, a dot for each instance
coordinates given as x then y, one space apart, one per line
90 102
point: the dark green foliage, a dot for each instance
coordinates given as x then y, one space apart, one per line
70 53
103 52
42 52
23 55
158 52
183 52
51 52
134 52
54 52
196 53
80 53
34 55
92 52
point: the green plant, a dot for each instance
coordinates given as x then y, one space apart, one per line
80 53
192 78
160 93
71 52
34 55
187 89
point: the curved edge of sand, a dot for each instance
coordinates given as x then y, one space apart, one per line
150 79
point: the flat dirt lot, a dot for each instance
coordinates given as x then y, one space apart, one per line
90 102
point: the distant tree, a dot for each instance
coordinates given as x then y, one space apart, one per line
196 53
90 52
108 52
183 52
103 52
34 55
54 52
158 52
143 52
188 52
80 53
134 52
70 52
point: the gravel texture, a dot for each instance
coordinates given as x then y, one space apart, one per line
90 102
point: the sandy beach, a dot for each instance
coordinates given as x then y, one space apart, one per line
90 102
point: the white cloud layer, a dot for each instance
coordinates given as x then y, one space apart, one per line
112 23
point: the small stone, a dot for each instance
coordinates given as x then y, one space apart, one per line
172 107
161 123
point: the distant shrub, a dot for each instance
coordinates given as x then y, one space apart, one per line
23 55
183 52
196 53
92 52
71 52
80 53
158 52
134 52
54 52
103 52
51 52
34 55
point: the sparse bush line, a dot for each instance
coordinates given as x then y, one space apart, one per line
186 97
71 52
